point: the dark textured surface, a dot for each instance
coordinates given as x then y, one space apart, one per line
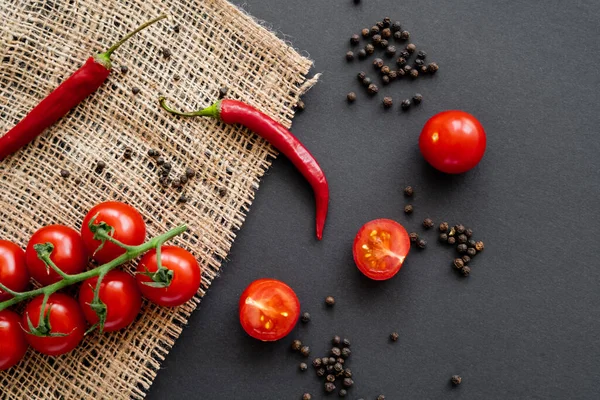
525 324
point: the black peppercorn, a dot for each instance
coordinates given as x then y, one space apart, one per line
376 39
325 361
331 360
167 166
462 238
305 317
380 397
465 271
387 21
471 252
407 68
421 54
367 81
348 382
401 72
337 367
411 47
305 351
466 259
160 160
354 39
378 63
100 165
385 80
350 56
176 77
346 342
423 69
461 248
374 30
176 183
444 225
77 181
372 89
351 97
135 90
385 70
469 232
479 246
299 106
336 351
419 63
433 67
183 179
387 101
404 54
386 33
320 372
456 380
361 75
189 172
329 368
396 26
303 367
182 199
394 336
405 35
362 54
128 153
365 32
380 25
223 92
346 352
414 74
306 396
166 52
398 35
64 173
296 345
443 237
384 43
470 242
164 182
409 191
428 223
369 48
152 153
413 236
417 99
458 263
340 360
421 243
330 378
451 239
317 363
336 340
343 393
390 51
347 373
329 387
329 300
392 75
408 209
459 228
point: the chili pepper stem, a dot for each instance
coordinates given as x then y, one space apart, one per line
211 111
130 254
104 58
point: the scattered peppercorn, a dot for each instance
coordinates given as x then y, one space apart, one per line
340 360
300 106
417 99
320 372
330 301
330 378
459 228
423 69
390 51
365 32
413 236
351 97
385 80
303 367
472 252
419 63
166 52
462 238
77 181
305 351
387 101
394 336
422 243
458 263
347 373
176 28
443 237
305 317
343 393
367 81
124 69
407 69
401 61
404 54
466 259
361 75
392 75
380 25
296 345
350 56
381 397
433 67
378 63
479 246
414 74
135 90
411 47
444 227
338 368
346 352
64 173
100 165
336 340
401 72
222 192
362 54
386 33
317 363
189 172
329 387
372 89
421 54
456 380
374 30
428 223
384 43
354 39
182 199
306 396
176 183
331 360
408 209
346 342
152 153
376 39
128 153
469 232
398 35
223 92
461 248
387 21
347 382
396 26
405 35
385 70
409 191
451 240
336 351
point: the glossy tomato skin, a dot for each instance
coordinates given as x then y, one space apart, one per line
380 248
13 268
453 141
69 253
186 276
269 309
120 294
12 339
129 228
65 317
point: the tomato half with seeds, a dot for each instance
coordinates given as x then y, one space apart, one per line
12 339
269 309
68 253
380 248
13 270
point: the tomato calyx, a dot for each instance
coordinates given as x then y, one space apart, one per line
44 250
102 232
162 278
99 307
44 328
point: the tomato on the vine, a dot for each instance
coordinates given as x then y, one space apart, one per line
380 248
183 280
68 254
12 339
128 228
13 271
66 319
269 309
453 141
120 295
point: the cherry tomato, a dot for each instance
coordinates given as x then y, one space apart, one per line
65 317
380 248
12 339
13 271
186 276
120 294
69 253
453 141
269 309
128 224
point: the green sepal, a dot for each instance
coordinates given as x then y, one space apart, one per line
43 251
100 232
162 278
44 328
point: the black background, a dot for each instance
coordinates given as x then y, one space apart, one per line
525 324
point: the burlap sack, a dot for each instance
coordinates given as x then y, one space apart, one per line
42 43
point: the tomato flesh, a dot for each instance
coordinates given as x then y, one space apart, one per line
13 270
453 141
269 309
380 248
12 339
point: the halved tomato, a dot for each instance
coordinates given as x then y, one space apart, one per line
380 248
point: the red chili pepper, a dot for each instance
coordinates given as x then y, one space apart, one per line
237 112
67 95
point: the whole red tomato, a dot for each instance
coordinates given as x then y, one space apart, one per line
453 141
65 318
185 280
13 271
12 339
380 248
120 294
128 224
68 254
269 309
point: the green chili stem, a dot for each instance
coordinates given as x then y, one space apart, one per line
115 46
130 253
210 111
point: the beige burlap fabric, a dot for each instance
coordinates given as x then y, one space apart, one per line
41 44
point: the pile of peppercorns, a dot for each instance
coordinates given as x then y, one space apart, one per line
164 172
380 36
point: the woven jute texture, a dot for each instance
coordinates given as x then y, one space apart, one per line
41 44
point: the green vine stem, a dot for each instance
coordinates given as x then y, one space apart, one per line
131 252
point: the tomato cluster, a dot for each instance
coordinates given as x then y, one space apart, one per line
62 324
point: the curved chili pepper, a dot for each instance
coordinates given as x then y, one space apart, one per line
85 81
237 112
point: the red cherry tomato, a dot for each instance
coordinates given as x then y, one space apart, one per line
69 254
12 339
13 271
380 248
120 294
453 141
65 317
186 276
269 309
128 224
